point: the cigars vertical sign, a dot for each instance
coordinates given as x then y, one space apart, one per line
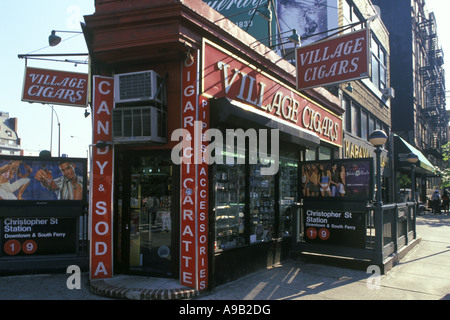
55 87
335 60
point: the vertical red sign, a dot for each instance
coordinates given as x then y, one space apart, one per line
202 198
194 181
189 107
101 180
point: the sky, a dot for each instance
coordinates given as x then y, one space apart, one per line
25 26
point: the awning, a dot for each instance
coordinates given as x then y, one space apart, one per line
237 114
402 149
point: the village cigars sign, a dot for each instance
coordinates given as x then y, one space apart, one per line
227 75
335 60
55 87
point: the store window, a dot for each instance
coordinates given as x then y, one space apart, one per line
250 207
288 187
230 203
262 205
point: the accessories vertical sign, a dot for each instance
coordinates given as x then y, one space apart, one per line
102 180
194 178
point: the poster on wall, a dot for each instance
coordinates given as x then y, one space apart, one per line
311 19
37 179
337 180
35 236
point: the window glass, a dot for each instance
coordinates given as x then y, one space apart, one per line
355 121
288 190
364 133
262 205
310 155
229 181
324 153
371 125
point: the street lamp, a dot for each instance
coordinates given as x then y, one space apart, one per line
412 159
378 138
59 132
54 40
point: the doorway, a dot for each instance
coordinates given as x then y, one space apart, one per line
144 214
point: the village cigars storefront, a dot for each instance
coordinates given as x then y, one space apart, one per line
166 201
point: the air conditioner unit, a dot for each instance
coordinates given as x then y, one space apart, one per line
139 86
139 125
389 93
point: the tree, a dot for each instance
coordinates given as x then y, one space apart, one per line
445 173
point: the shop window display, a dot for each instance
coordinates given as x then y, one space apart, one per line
262 205
288 191
229 198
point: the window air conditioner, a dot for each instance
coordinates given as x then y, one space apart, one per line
139 125
139 86
389 93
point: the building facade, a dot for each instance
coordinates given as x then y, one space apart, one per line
170 73
9 139
367 102
418 110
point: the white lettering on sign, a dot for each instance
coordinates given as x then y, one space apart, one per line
102 175
194 186
53 86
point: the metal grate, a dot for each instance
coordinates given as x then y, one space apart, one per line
139 124
135 86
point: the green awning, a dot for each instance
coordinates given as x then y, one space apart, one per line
403 148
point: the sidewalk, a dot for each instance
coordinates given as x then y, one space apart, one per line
422 275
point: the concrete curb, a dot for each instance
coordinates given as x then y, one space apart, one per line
102 288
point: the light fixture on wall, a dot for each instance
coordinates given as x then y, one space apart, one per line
349 87
54 40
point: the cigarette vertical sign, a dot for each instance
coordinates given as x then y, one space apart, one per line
101 181
335 60
194 181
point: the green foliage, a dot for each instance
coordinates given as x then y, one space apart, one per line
404 181
445 173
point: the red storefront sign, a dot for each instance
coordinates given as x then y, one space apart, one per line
55 87
335 60
227 75
202 201
194 182
102 180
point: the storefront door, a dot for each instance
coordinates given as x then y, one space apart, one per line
145 222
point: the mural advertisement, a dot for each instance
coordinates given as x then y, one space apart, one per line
28 178
335 194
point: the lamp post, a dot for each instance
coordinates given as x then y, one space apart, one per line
59 133
412 159
378 138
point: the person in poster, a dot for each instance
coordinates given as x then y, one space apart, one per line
69 186
341 185
325 179
8 173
